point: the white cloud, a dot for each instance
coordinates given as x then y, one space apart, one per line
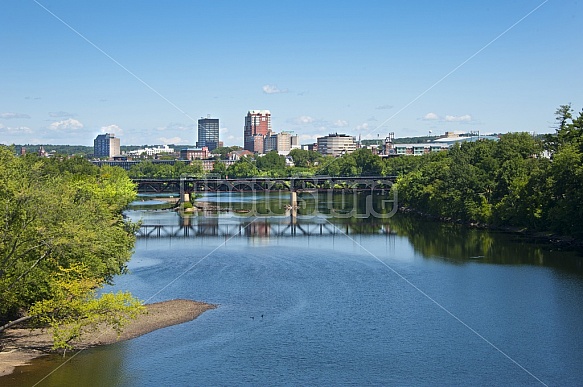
384 107
310 137
273 89
15 130
302 120
431 117
236 140
70 124
340 123
61 114
175 126
363 126
172 140
11 115
464 118
114 129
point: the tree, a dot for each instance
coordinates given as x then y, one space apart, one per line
565 179
359 163
149 169
305 158
368 163
243 167
60 222
272 162
222 151
219 169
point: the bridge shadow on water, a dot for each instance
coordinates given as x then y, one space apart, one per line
273 226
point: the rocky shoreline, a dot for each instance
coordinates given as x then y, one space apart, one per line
19 345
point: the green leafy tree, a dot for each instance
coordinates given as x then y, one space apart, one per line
565 180
51 222
243 167
222 151
219 169
362 162
368 164
272 163
149 169
305 158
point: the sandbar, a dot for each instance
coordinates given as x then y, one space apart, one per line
20 345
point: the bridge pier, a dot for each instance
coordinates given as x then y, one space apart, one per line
293 198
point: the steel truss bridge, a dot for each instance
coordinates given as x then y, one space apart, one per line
258 229
293 184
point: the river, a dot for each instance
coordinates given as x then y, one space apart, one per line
395 301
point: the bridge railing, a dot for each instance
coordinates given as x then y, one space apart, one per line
189 184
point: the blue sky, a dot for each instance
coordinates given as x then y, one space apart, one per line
146 70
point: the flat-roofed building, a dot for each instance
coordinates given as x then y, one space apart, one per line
208 133
282 142
336 144
106 145
194 153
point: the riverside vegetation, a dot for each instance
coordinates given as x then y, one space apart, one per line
63 237
518 181
533 183
62 234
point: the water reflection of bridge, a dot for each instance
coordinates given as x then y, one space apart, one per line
258 228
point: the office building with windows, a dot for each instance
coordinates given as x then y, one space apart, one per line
336 144
282 142
257 127
208 133
106 145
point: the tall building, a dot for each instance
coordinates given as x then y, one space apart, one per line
257 127
106 145
208 133
282 142
336 144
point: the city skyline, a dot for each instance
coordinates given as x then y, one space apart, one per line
147 71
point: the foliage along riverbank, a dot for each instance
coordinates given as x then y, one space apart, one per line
62 237
518 181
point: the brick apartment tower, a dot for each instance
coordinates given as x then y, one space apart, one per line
257 126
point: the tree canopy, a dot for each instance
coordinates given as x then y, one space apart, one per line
62 236
244 167
148 169
516 181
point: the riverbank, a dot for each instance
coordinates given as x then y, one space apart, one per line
19 346
545 237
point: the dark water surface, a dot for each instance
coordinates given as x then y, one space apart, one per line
404 302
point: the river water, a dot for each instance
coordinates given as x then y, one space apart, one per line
396 301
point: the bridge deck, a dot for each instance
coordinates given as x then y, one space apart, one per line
187 184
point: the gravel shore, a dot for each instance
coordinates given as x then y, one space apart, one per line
18 346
